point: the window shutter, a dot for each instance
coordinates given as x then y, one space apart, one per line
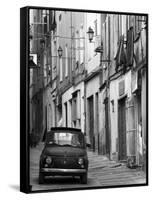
74 111
130 127
45 24
61 72
78 105
66 61
81 49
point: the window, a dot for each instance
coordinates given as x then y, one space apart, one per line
65 138
76 106
97 111
74 109
44 13
95 28
66 114
104 40
61 72
60 17
45 66
81 46
66 60
106 37
124 19
138 23
77 46
54 59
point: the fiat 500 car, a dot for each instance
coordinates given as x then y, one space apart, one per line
64 154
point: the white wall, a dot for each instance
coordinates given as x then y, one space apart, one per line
92 86
67 96
92 59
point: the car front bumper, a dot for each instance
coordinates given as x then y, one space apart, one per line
58 171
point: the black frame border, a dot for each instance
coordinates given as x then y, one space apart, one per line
24 100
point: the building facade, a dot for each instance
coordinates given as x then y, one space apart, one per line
123 86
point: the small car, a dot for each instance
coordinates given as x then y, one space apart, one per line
64 154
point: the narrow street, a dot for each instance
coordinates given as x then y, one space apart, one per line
102 172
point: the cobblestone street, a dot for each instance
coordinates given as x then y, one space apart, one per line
102 172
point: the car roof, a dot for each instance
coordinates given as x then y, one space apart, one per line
66 129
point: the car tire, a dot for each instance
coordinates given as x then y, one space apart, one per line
84 178
41 178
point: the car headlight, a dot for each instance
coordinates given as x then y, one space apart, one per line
81 161
48 160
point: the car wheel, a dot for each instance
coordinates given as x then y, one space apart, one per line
41 178
83 178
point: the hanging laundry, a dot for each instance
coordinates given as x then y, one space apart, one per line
120 58
130 46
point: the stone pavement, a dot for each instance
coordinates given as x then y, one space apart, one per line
101 172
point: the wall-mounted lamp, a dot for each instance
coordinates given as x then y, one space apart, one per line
90 33
100 50
60 51
112 102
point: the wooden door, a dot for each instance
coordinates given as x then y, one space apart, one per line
107 132
66 115
91 120
122 129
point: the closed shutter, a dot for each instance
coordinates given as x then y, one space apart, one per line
130 127
45 24
61 69
81 46
78 105
66 60
104 39
74 110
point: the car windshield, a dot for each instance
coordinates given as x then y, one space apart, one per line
65 139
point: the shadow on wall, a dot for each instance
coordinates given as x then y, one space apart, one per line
15 187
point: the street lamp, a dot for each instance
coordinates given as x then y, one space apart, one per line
60 51
99 49
90 33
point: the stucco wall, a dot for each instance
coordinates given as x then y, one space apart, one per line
67 96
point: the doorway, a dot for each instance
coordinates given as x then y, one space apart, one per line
107 129
66 115
122 155
91 120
